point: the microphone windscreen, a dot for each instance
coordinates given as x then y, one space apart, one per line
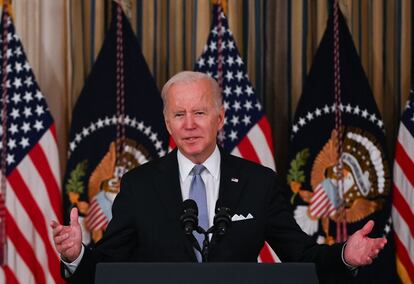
190 204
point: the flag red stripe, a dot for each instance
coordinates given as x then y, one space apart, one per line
321 209
9 276
266 255
93 213
247 150
318 211
171 143
265 126
102 225
39 159
26 199
403 208
405 162
52 129
318 191
92 210
320 203
331 211
317 198
98 220
404 257
24 249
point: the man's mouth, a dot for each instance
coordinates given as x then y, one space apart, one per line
191 139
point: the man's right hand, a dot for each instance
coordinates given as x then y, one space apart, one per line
68 239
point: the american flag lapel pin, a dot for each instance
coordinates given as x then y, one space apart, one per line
234 179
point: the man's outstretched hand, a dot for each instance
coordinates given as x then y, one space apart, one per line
68 239
361 250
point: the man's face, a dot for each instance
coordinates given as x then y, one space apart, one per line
193 119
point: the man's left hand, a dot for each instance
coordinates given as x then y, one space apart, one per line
361 250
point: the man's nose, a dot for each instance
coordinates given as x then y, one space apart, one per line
189 122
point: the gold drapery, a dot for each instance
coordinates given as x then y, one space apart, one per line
277 40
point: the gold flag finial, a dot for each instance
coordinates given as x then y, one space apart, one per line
9 6
222 3
126 6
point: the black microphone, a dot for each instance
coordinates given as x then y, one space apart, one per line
189 218
222 220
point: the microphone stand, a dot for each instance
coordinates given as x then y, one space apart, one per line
222 221
206 243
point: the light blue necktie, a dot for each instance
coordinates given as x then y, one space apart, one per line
198 194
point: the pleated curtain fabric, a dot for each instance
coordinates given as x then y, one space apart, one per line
277 40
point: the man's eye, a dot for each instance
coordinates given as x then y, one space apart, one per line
178 115
200 113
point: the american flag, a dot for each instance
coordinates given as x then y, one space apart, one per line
403 195
320 204
246 130
32 187
96 218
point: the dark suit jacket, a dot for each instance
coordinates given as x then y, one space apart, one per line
146 227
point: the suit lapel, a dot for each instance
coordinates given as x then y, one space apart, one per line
231 182
231 187
169 191
168 186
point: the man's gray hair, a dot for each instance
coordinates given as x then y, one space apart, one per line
186 77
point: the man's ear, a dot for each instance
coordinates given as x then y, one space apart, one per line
221 118
167 124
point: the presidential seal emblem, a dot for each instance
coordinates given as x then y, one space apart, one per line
366 182
104 185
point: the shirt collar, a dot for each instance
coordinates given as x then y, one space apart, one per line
212 164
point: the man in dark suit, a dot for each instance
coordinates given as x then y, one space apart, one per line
146 213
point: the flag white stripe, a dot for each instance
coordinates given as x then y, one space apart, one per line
406 141
16 264
317 195
93 210
274 255
25 226
2 275
49 147
236 152
263 151
97 221
38 190
316 200
321 208
404 186
101 225
403 231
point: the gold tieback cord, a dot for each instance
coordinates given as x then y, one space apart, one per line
120 88
341 229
